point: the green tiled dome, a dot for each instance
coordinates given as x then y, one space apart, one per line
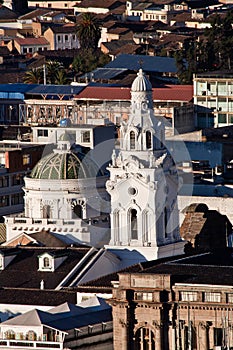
65 165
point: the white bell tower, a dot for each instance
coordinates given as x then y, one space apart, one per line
143 181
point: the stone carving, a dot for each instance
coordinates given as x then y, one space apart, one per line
160 160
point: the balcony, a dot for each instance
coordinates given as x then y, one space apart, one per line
22 344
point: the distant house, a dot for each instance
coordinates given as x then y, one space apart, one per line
60 327
102 6
53 4
31 45
147 11
62 37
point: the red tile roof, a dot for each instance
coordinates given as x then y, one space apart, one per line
170 92
32 41
104 93
174 93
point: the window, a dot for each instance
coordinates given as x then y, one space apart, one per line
132 139
4 181
4 201
116 225
16 198
17 179
26 159
30 49
212 297
24 50
59 38
78 211
222 118
42 133
46 262
188 296
86 136
165 222
148 139
133 224
46 212
74 37
143 296
66 37
230 298
144 339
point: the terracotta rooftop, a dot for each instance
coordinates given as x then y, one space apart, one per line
63 29
32 41
100 4
170 92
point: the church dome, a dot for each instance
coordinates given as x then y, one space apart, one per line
65 166
141 83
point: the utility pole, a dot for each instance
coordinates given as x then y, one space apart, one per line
44 71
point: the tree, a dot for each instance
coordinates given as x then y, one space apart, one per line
52 69
60 77
88 31
88 60
34 76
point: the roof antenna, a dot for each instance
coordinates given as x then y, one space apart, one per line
140 62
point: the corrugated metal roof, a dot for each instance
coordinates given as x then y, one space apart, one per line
38 89
23 88
55 89
105 73
148 63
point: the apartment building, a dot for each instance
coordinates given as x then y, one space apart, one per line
213 99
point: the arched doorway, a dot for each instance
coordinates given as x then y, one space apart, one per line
144 339
46 212
78 211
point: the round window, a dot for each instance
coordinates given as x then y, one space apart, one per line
132 191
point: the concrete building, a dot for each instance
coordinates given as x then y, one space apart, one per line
17 160
213 99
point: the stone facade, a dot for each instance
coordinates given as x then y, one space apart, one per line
157 311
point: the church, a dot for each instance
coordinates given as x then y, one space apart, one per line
133 214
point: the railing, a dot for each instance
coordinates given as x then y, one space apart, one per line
9 343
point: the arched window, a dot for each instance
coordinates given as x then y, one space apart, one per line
132 139
78 211
148 140
144 339
46 262
133 224
145 226
116 226
165 221
46 212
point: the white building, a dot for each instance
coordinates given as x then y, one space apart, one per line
65 193
143 182
213 98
